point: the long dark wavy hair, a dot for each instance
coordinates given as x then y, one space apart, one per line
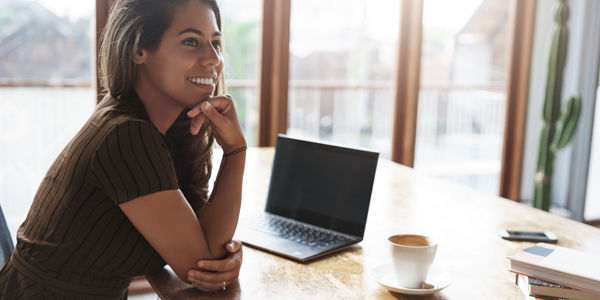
140 24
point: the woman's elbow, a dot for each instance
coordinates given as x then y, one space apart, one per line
182 274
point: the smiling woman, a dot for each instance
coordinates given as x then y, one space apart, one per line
129 192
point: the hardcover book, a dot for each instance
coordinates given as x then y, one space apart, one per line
564 266
525 289
541 288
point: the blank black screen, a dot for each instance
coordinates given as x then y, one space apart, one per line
325 185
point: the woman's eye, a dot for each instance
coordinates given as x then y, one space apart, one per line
217 44
191 42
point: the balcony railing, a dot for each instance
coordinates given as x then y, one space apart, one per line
460 129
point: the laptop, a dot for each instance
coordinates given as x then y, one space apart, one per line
318 200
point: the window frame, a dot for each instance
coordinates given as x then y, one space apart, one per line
408 82
102 10
522 26
274 72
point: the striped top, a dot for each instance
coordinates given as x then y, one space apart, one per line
76 242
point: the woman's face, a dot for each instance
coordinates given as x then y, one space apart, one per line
185 65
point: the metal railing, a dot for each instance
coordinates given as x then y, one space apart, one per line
459 134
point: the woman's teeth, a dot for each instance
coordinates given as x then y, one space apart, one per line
198 80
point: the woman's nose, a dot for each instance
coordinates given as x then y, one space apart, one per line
210 57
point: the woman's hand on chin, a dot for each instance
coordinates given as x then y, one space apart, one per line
220 112
214 275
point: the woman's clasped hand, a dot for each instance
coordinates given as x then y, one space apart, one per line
214 275
220 112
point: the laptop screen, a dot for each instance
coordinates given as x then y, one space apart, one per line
324 185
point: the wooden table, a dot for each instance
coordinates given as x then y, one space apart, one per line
464 222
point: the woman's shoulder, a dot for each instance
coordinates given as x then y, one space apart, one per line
117 129
132 158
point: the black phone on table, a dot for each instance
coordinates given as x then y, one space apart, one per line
529 236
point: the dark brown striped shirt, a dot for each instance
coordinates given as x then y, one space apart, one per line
76 242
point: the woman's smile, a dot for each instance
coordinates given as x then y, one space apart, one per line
203 82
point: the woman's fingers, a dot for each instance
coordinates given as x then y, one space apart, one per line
211 286
206 286
221 103
233 246
213 277
197 123
203 111
212 114
234 261
220 111
196 110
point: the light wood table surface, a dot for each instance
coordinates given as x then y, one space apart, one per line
464 222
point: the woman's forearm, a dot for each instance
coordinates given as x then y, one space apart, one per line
219 219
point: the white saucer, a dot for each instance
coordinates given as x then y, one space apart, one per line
384 275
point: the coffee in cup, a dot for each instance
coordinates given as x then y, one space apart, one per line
412 256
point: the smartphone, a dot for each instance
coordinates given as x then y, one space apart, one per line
528 236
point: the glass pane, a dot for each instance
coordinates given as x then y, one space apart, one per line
592 201
241 31
342 63
46 93
462 98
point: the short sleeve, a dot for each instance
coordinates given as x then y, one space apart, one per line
133 160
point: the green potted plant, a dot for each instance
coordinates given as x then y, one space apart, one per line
559 124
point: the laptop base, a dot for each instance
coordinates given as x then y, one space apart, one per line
286 248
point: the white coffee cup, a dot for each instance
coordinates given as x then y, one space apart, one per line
412 256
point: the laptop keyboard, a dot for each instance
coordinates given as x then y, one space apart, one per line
305 234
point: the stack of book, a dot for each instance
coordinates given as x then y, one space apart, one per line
552 272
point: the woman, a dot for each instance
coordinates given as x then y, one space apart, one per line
129 192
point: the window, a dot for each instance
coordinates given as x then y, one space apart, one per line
342 63
45 92
241 30
462 101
